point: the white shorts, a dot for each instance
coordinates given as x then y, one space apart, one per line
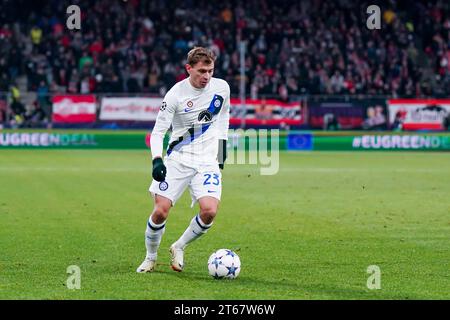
206 181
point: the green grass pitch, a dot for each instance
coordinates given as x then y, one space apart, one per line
309 232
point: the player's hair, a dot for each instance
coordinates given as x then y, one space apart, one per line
200 54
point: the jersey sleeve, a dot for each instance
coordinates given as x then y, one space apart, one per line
163 123
224 117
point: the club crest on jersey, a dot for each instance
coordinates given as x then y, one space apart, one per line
163 106
205 116
163 186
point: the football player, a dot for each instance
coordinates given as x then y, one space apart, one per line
197 108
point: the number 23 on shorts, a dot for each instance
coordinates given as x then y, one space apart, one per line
211 179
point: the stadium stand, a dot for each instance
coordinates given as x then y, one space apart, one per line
293 48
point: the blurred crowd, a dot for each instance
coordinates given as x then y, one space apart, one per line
292 47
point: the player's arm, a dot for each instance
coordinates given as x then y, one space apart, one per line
223 125
163 122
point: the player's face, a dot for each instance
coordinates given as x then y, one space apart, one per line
200 74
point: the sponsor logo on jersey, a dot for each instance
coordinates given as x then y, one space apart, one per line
205 116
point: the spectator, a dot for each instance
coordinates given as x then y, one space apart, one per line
317 47
17 108
37 116
446 123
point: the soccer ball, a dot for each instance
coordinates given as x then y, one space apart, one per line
224 263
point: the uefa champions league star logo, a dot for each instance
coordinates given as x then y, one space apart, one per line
217 103
163 186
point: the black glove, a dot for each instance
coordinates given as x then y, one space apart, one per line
159 170
222 156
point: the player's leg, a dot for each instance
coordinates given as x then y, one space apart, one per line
199 225
165 195
154 232
206 188
208 210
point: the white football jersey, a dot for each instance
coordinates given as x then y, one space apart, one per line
199 118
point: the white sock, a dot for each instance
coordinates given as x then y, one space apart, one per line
195 230
153 235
